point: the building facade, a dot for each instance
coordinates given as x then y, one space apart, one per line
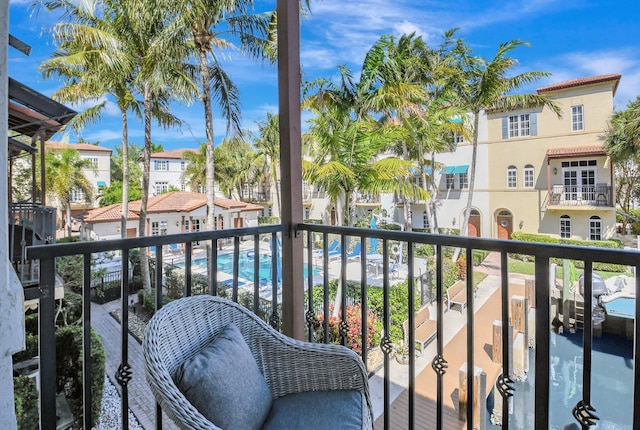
537 172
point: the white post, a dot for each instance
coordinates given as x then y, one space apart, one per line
12 299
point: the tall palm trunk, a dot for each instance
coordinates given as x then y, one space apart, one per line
146 165
125 174
472 180
432 211
68 209
274 175
210 169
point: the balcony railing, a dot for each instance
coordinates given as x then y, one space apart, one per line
415 411
364 198
574 195
29 224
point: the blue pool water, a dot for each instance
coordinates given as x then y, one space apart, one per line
245 266
624 307
611 384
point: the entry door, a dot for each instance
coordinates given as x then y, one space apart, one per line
505 226
474 225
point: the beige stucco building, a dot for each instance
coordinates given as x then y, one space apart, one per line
538 172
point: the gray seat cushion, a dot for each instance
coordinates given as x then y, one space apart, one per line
340 409
224 383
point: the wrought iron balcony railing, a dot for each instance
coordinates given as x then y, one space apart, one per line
381 247
585 195
29 224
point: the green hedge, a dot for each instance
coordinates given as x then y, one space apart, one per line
540 238
69 370
25 396
266 220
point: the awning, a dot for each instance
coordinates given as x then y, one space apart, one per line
455 170
102 184
428 170
460 169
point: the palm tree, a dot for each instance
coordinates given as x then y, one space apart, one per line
93 58
484 85
194 173
623 134
211 25
65 174
268 145
346 158
623 145
237 166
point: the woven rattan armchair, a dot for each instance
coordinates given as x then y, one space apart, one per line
181 328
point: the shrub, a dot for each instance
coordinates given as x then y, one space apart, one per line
461 267
25 396
424 251
354 333
398 307
262 220
70 267
605 267
71 311
69 369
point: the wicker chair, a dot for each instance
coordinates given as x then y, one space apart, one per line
183 327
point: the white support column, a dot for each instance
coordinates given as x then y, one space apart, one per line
12 299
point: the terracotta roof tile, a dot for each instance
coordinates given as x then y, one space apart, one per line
175 201
77 146
589 80
109 214
576 151
174 154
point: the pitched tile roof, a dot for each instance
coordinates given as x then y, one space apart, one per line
77 146
589 80
109 214
576 151
174 154
175 201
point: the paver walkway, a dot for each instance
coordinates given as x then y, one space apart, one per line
141 400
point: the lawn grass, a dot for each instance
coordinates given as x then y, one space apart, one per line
529 268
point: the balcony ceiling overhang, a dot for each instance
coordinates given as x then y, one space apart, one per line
16 147
577 151
32 113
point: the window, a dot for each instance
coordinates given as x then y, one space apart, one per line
595 228
93 161
161 165
77 196
464 180
425 219
183 187
449 180
577 118
519 125
196 224
565 227
528 176
512 177
155 228
163 227
307 213
161 187
457 138
183 165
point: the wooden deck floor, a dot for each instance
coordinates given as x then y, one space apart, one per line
455 353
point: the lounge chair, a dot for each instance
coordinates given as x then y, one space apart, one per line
175 248
336 253
332 247
355 253
212 363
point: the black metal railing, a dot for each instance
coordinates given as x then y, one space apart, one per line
402 246
584 195
29 224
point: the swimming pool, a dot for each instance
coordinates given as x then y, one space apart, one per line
245 266
611 383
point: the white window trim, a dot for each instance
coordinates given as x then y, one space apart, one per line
574 118
524 177
512 173
516 125
566 221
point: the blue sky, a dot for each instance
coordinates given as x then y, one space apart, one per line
569 38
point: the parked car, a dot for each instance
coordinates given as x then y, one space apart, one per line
76 225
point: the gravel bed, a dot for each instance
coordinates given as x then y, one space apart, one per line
136 324
110 415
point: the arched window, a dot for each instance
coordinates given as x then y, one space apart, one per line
529 174
595 228
565 227
512 177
